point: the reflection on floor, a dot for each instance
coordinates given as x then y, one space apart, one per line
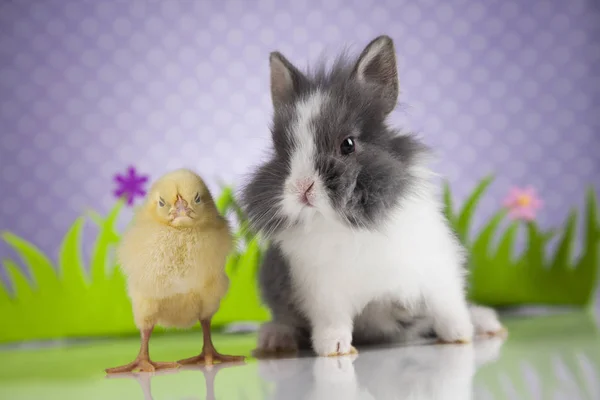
555 357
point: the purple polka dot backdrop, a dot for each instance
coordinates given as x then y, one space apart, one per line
88 88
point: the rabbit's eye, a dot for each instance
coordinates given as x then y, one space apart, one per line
347 146
197 199
161 202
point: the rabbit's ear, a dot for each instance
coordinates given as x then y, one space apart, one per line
285 79
377 65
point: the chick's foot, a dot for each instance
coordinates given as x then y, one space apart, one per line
209 354
142 365
209 358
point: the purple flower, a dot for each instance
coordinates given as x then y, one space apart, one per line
130 185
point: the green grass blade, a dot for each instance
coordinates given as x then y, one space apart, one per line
468 210
506 245
21 287
4 288
448 205
588 264
535 247
40 266
482 244
69 261
225 200
561 259
105 239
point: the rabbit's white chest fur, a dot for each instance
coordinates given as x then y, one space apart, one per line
332 263
414 261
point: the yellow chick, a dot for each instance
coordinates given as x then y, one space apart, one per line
173 255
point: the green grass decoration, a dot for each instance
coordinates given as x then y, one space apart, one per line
498 277
68 302
65 301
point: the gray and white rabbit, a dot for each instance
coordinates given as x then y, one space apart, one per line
359 248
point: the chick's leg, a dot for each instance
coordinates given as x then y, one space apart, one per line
142 362
209 354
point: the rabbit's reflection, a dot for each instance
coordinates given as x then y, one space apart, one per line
423 373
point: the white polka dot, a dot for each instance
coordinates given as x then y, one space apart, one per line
429 29
10 173
549 136
548 103
511 41
24 60
530 88
482 107
444 12
237 101
483 138
157 120
235 37
219 55
431 61
534 152
412 13
580 101
89 26
347 16
189 119
266 5
92 122
220 85
532 120
283 20
445 45
565 117
449 107
75 107
314 19
498 122
41 108
475 11
250 21
514 104
189 87
497 89
124 121
585 165
463 92
237 69
218 22
204 101
460 27
446 76
513 73
465 123
122 27
414 77
462 59
267 36
412 46
501 152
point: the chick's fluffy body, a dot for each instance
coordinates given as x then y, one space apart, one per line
175 275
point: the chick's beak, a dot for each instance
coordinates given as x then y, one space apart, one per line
181 206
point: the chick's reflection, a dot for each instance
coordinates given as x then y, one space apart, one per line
424 372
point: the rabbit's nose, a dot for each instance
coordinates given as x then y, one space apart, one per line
305 185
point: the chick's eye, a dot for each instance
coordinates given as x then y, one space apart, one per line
197 198
161 202
347 146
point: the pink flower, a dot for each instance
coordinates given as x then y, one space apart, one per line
522 203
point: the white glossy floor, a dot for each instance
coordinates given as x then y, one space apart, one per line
552 358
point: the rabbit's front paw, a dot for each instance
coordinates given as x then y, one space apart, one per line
333 342
275 337
454 330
